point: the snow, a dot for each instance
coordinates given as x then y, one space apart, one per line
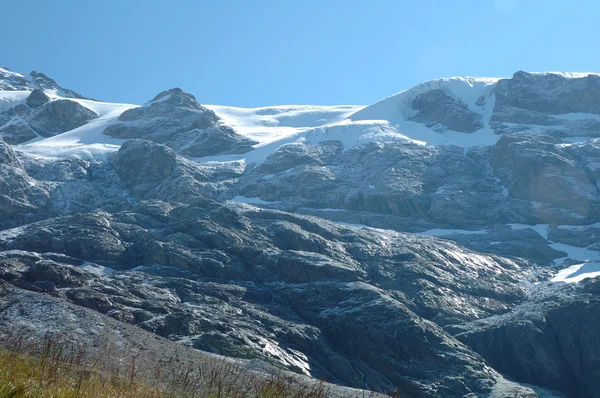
444 232
251 201
579 227
578 272
567 75
85 142
274 126
353 125
12 233
588 263
577 116
588 260
269 124
356 133
8 99
288 357
96 269
398 107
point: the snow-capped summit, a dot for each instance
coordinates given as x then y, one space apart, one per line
460 111
12 81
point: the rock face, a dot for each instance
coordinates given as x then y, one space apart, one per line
540 101
522 179
176 119
240 281
549 93
36 99
17 133
22 123
59 116
38 314
439 111
140 161
22 120
12 81
540 169
540 342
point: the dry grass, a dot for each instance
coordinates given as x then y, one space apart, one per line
57 368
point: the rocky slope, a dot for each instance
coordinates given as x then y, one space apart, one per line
360 248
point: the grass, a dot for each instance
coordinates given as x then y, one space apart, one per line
59 369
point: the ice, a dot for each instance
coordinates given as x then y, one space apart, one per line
568 75
251 201
85 142
577 116
11 233
96 269
274 126
577 273
269 124
8 99
444 232
588 263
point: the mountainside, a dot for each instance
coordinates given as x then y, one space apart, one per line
443 242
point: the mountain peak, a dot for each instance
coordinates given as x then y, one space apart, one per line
177 97
13 81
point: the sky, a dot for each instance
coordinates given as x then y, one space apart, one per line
255 53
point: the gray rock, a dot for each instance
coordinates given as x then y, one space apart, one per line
440 112
531 102
536 169
175 119
538 341
37 98
11 81
59 116
142 161
15 134
549 93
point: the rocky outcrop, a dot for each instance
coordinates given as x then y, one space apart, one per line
12 81
39 316
22 123
549 93
140 161
534 102
59 116
269 284
551 341
536 168
17 133
37 98
441 112
177 120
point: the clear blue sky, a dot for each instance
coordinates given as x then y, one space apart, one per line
268 52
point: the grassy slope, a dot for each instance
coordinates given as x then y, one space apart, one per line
57 370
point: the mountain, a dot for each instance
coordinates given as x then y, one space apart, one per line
442 242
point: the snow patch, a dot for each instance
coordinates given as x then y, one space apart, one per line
9 99
86 142
96 269
250 201
567 75
444 232
9 234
